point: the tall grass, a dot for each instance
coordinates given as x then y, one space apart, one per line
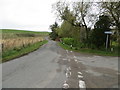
11 54
17 43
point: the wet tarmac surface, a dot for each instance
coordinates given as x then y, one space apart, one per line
53 67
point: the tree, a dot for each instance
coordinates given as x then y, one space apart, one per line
53 34
59 8
80 10
112 9
68 27
76 16
65 29
98 36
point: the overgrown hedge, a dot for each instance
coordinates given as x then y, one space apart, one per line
73 42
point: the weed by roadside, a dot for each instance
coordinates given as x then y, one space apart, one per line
90 51
14 53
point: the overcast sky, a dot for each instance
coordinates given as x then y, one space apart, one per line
26 14
33 15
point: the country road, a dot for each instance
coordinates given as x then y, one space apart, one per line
50 66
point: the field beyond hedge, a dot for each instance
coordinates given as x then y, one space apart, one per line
19 42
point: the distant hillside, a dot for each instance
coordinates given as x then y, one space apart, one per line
11 33
19 31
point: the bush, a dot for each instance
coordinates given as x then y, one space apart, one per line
97 35
73 42
97 38
68 41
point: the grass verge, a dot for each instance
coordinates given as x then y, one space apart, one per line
90 51
14 53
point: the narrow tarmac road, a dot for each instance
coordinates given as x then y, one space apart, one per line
53 67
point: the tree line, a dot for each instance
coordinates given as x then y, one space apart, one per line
84 23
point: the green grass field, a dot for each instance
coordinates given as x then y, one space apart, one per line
21 31
8 35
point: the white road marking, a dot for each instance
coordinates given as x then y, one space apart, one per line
80 76
65 85
75 57
69 68
82 84
75 60
68 72
70 51
69 60
80 73
67 51
64 59
67 75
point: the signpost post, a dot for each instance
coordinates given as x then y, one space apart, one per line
108 33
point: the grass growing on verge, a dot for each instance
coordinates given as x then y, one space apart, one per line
14 53
91 51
